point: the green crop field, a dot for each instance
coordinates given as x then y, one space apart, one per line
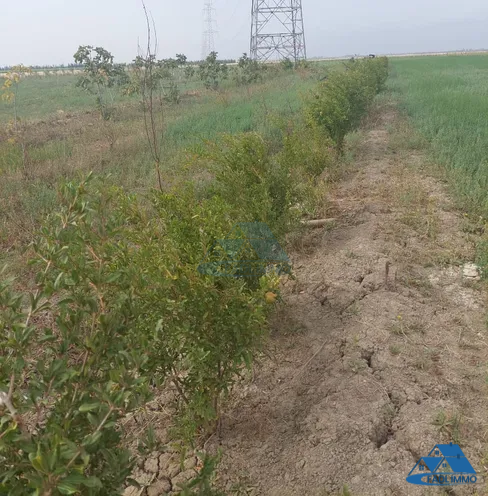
447 100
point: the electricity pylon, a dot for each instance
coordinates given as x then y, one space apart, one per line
209 30
277 30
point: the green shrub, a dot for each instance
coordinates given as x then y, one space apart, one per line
201 330
252 181
100 74
307 150
248 71
287 64
340 102
212 72
68 372
119 304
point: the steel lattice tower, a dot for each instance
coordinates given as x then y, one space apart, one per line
208 43
277 30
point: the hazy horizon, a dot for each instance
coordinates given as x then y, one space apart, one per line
49 32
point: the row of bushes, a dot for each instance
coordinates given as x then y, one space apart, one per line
340 102
120 308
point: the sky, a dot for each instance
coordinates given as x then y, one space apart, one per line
38 32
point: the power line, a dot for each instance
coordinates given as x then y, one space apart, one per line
277 30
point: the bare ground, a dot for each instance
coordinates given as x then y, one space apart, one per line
381 349
379 352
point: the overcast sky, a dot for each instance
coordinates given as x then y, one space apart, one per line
49 31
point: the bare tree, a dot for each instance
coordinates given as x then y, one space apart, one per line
152 97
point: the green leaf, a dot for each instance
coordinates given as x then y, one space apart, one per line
67 488
92 438
38 462
57 282
89 407
93 482
133 482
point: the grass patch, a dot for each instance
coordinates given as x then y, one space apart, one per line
449 424
446 100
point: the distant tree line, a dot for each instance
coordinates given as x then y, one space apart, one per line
80 66
45 67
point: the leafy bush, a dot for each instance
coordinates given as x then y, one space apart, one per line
100 74
68 371
308 149
200 330
251 181
339 103
161 77
212 72
119 304
287 64
248 71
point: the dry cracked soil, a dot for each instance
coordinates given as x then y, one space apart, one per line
379 351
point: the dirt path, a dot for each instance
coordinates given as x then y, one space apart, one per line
381 350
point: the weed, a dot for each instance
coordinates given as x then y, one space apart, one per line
422 284
400 327
148 441
449 424
423 360
353 310
357 365
395 349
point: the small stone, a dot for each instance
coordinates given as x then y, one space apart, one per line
164 461
183 478
142 477
174 470
131 491
300 464
151 465
471 271
159 488
190 463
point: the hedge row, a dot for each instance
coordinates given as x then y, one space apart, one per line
340 102
120 308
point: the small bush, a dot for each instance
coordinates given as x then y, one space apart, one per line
248 71
250 179
308 149
340 102
287 64
212 72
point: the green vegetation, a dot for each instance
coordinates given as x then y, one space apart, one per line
119 309
446 99
40 97
77 143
